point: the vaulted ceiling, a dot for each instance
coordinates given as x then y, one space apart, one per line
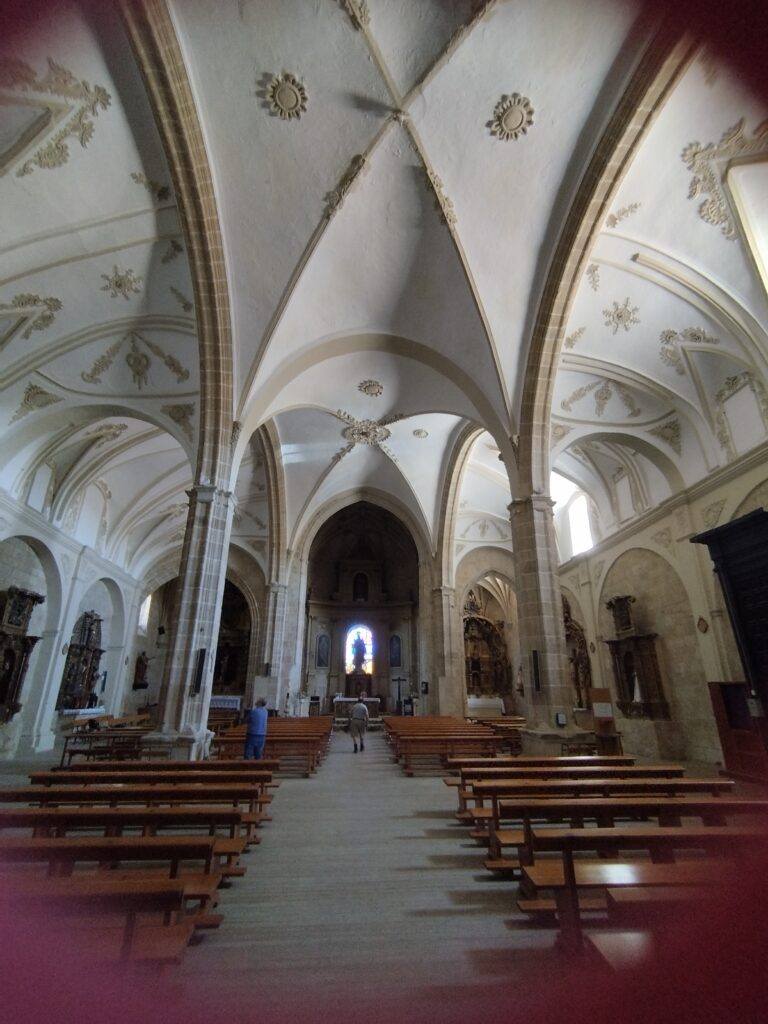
392 179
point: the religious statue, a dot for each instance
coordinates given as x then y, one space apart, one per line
140 672
358 653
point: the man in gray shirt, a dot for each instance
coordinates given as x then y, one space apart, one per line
358 723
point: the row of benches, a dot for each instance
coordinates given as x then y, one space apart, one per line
300 744
83 818
541 809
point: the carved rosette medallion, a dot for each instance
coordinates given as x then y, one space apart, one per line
121 282
365 432
421 434
372 388
287 96
512 117
623 315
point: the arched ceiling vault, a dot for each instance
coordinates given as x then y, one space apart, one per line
307 250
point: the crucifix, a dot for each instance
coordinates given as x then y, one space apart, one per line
399 680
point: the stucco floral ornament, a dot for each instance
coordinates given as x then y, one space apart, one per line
287 96
512 117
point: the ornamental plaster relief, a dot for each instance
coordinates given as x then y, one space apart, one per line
623 315
182 300
709 164
672 341
369 432
137 360
182 415
670 433
358 13
593 276
286 96
731 386
614 219
372 388
335 199
512 117
603 391
30 312
106 433
34 398
121 282
574 336
160 193
60 97
557 433
175 248
712 513
443 204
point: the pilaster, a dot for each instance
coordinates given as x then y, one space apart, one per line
186 690
542 633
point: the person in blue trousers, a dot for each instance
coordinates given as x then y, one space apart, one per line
256 730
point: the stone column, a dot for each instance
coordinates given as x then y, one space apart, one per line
274 634
449 699
540 612
195 628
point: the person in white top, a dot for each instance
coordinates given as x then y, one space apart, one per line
358 723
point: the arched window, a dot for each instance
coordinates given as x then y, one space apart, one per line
581 532
359 642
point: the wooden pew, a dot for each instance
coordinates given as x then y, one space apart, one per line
591 875
256 776
98 916
470 776
454 764
605 812
298 743
219 765
61 853
117 821
244 794
115 744
499 789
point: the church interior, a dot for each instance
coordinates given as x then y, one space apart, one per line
411 349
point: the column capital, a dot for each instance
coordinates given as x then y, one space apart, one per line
533 501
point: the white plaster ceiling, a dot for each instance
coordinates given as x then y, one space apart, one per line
427 288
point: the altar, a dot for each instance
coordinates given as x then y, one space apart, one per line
342 706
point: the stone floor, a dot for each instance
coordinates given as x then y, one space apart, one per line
365 891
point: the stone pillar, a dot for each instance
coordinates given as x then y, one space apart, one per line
195 628
450 697
540 611
274 633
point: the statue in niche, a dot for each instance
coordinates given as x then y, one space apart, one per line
395 652
358 653
323 651
140 672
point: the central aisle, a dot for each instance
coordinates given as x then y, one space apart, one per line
363 893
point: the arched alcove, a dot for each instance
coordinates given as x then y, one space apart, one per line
363 576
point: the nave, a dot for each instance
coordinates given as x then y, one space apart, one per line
367 898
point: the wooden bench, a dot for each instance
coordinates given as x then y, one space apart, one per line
435 748
219 765
454 764
117 744
299 744
591 875
605 812
578 789
106 911
469 776
244 794
116 821
622 950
